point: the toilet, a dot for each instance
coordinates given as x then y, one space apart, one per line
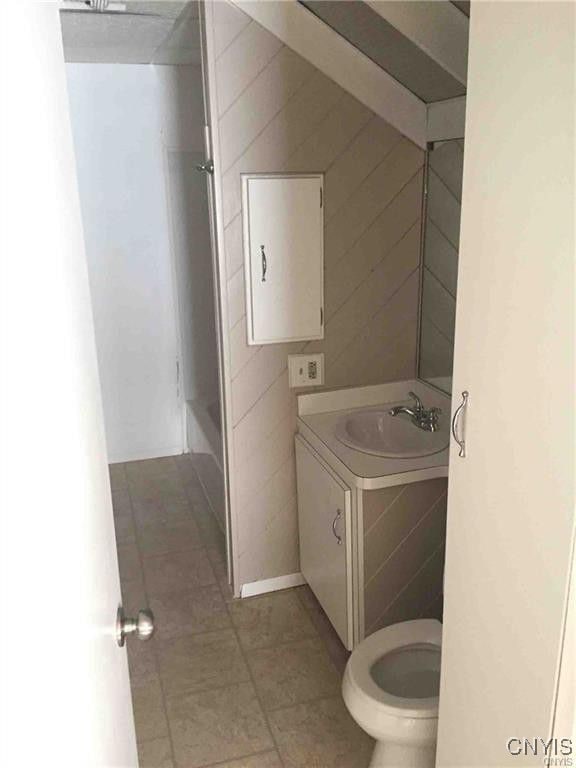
391 686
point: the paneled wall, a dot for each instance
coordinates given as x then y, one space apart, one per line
404 536
278 113
440 273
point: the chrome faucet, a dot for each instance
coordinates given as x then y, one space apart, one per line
423 418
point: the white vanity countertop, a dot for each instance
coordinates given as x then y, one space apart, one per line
319 413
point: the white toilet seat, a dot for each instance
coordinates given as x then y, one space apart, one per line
373 648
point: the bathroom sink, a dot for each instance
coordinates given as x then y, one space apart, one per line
396 437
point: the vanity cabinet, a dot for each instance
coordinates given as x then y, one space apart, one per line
324 516
372 556
283 230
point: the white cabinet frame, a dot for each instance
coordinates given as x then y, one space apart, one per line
346 629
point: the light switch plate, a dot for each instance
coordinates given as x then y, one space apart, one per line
306 370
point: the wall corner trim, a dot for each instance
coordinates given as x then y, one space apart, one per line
253 588
446 119
335 57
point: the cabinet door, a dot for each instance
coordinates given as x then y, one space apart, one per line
325 544
283 254
511 496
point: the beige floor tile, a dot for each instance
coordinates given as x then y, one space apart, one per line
121 503
169 479
151 511
124 529
188 474
148 703
160 491
197 498
141 659
336 650
227 591
156 753
214 726
194 492
270 620
129 562
191 482
181 460
214 713
118 480
211 533
175 504
150 467
166 536
263 760
177 572
200 610
321 734
199 662
170 485
217 556
133 597
293 673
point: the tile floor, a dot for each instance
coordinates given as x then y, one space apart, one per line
232 683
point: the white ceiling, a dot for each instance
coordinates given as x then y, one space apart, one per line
155 32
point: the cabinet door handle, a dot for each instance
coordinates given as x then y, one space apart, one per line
334 523
264 264
456 433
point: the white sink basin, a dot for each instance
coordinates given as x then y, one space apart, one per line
396 437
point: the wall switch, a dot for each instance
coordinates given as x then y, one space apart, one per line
306 370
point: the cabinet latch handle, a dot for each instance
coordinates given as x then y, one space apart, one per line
334 523
264 264
456 432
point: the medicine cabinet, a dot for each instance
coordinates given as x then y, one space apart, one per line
283 233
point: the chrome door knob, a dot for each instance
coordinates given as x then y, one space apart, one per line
142 626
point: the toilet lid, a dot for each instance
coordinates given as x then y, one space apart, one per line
398 668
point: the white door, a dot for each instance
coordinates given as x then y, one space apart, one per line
283 252
64 692
511 499
325 544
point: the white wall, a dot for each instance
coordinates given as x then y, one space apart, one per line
125 120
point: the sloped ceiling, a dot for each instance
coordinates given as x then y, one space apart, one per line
161 32
368 31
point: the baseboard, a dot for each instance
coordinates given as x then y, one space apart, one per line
143 455
272 585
